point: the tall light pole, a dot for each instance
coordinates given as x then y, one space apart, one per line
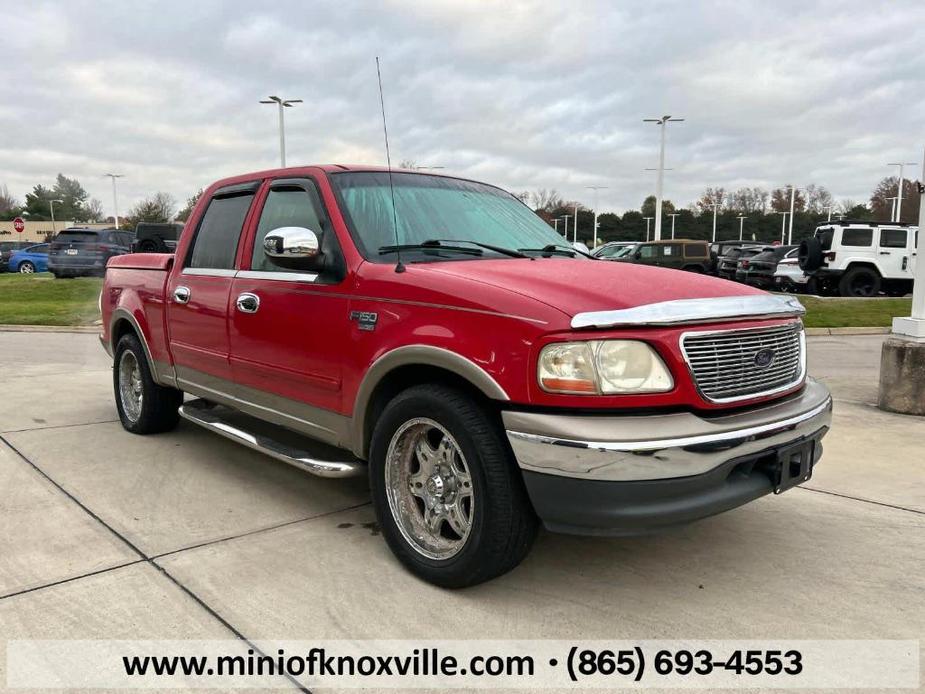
648 219
282 103
716 204
51 206
115 201
893 209
793 195
575 225
662 122
899 195
673 215
783 224
828 208
595 189
556 224
742 219
565 227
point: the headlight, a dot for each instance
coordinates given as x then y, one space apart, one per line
602 367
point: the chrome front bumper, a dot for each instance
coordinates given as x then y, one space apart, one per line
656 447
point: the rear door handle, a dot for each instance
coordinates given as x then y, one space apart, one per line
181 295
248 303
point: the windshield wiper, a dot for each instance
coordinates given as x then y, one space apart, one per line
552 249
490 247
429 245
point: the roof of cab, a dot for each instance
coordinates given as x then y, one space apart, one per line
297 170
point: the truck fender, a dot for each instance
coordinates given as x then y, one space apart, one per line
414 355
136 320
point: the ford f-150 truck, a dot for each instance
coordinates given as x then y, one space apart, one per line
436 335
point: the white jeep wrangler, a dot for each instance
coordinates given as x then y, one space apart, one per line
860 258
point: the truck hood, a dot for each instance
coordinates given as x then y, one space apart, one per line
575 286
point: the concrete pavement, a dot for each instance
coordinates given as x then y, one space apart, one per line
185 535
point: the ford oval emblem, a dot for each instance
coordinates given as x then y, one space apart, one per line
764 358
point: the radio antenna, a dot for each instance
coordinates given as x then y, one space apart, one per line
388 158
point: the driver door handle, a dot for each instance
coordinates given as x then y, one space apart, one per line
181 295
248 303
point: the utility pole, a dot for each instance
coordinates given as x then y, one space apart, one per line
51 206
115 201
662 122
595 189
648 219
742 219
793 195
673 215
899 195
282 103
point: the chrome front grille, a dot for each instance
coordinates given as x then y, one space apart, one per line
732 365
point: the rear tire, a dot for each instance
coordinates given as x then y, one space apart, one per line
859 281
144 406
26 267
447 492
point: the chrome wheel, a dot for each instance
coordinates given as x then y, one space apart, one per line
429 488
27 268
130 385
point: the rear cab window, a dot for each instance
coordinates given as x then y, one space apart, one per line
77 237
695 250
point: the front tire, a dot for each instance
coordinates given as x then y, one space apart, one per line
446 490
144 406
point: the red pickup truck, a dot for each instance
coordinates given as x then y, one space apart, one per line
436 335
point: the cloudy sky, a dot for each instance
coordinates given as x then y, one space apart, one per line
525 95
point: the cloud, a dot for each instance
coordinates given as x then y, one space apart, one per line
523 95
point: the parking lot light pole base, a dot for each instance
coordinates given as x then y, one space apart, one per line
902 375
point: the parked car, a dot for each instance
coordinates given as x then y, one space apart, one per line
678 254
788 277
7 248
719 248
729 262
612 249
861 258
151 237
30 260
84 251
758 270
485 380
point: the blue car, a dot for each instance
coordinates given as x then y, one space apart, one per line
29 260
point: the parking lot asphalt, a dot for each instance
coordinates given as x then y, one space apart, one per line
185 535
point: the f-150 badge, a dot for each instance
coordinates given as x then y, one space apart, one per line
366 320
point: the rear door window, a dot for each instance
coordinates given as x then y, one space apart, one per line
860 237
216 240
695 250
893 238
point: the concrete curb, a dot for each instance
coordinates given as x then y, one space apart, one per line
49 329
847 331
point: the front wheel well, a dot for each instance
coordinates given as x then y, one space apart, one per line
122 327
408 375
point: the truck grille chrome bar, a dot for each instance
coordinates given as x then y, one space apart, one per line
731 365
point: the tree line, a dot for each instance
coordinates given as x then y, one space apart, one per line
763 211
73 203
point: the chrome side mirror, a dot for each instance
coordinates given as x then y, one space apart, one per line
291 243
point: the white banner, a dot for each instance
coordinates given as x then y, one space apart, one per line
529 664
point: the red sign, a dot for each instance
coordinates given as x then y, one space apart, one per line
19 225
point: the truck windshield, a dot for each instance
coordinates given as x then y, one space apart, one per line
435 207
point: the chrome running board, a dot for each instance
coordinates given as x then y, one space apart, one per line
308 455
